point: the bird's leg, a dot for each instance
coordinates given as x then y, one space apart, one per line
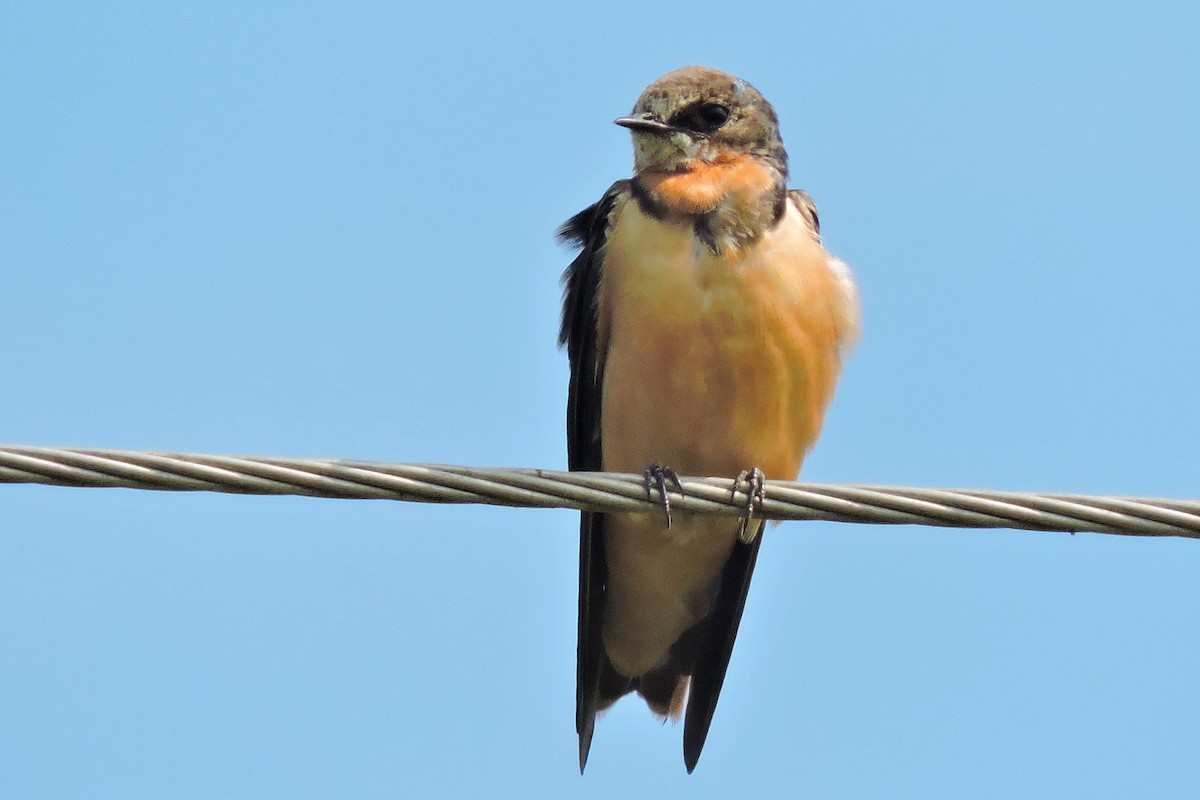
756 493
656 477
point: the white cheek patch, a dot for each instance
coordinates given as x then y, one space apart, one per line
685 144
653 150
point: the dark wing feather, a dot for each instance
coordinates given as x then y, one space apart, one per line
579 333
712 655
807 208
712 658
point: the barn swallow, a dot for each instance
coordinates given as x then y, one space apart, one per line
705 326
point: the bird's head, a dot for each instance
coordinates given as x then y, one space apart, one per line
698 115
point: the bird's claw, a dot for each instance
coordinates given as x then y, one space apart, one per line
656 478
756 493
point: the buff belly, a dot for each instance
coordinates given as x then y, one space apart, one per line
714 364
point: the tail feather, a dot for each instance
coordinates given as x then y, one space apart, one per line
712 659
691 677
665 688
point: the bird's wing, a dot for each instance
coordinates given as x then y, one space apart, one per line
716 645
807 208
580 334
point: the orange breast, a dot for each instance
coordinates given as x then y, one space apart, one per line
718 363
713 364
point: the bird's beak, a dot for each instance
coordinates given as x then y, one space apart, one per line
643 122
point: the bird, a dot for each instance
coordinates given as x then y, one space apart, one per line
705 326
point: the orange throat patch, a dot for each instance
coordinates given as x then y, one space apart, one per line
702 186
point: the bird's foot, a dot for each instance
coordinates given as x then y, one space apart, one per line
656 478
756 493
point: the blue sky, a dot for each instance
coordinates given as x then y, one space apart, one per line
326 230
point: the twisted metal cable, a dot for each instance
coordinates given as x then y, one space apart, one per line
594 491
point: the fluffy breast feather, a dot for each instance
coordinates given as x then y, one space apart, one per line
719 362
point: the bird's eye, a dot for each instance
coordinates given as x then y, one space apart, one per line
702 117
